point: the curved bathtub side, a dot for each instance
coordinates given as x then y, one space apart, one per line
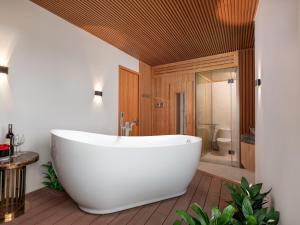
106 179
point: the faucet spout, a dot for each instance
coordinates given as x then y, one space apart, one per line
122 127
126 127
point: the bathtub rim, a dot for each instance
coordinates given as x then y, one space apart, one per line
194 139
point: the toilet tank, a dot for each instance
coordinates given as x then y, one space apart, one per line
224 133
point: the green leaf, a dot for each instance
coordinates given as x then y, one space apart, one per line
224 218
47 183
251 220
247 207
202 216
177 222
266 193
238 198
215 212
229 211
186 217
244 184
255 189
260 215
272 217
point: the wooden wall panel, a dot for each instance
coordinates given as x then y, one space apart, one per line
145 97
247 90
181 82
164 93
160 32
160 106
221 61
170 78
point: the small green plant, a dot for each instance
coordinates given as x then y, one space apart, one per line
239 192
250 192
263 216
202 218
246 208
51 178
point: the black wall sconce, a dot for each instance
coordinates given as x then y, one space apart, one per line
258 82
3 69
98 93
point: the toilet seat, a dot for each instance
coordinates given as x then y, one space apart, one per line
224 140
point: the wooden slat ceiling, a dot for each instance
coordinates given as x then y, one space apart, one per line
163 31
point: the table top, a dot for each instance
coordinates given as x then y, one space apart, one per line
18 161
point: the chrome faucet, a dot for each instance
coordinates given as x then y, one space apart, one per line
126 127
122 126
129 127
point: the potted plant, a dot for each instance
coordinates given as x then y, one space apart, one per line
246 208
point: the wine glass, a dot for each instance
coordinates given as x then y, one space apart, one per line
18 140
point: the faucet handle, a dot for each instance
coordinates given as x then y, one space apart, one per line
122 115
122 119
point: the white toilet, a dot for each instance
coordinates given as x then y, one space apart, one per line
224 140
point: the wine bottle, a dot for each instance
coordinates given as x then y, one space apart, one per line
9 139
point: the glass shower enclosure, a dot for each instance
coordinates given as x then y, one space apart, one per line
217 115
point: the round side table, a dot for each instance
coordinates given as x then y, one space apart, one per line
13 183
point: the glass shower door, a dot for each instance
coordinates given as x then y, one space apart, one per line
217 115
234 118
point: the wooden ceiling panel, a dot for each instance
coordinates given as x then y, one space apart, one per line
163 31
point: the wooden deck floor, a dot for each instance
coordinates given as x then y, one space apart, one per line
45 207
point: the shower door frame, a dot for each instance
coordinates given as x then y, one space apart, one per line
237 109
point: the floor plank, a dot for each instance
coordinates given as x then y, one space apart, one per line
144 214
201 192
105 219
60 214
213 195
46 207
184 201
71 218
47 213
125 216
161 213
225 196
86 219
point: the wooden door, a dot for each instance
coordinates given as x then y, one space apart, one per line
129 98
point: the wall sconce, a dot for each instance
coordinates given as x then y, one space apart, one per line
98 97
98 93
258 82
3 69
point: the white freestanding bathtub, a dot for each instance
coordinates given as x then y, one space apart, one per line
105 174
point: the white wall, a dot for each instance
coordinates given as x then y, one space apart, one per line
54 68
277 39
